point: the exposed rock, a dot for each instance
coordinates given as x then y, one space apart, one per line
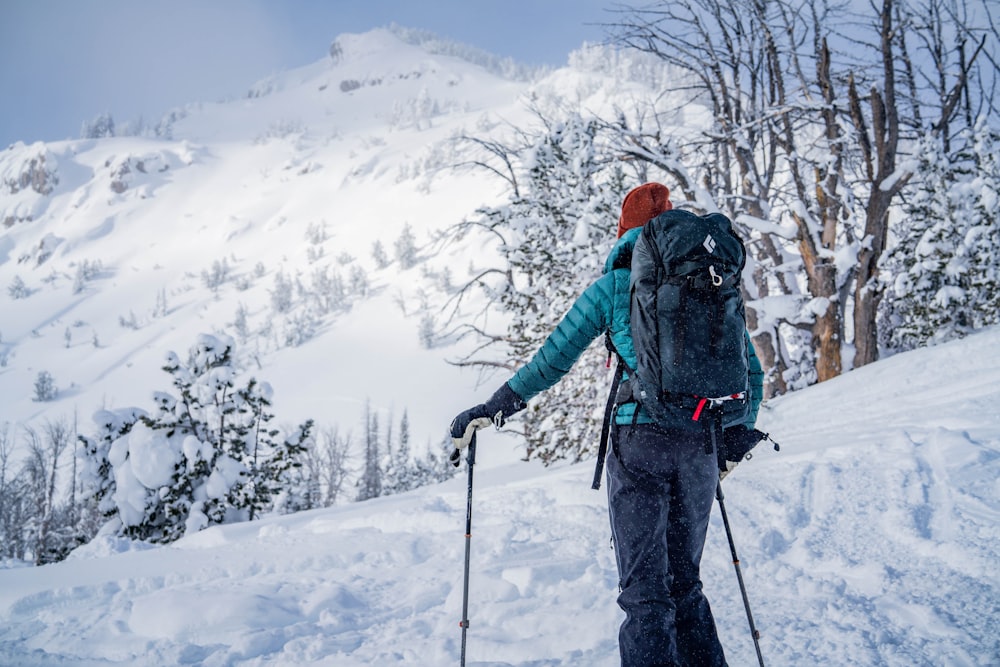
123 170
37 172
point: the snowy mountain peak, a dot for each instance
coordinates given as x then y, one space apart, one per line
117 249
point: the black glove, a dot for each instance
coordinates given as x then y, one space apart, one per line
502 404
737 441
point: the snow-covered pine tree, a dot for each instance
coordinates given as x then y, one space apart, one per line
398 467
370 484
926 298
404 472
274 466
17 289
557 228
201 458
103 125
207 486
96 473
379 255
405 248
983 237
45 387
283 476
435 467
945 267
282 294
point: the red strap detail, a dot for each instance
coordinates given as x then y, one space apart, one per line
697 411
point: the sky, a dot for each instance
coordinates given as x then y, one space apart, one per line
63 62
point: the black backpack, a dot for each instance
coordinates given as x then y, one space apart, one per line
688 326
688 319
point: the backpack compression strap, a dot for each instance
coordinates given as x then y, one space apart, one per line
702 402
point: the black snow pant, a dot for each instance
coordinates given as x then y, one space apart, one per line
661 486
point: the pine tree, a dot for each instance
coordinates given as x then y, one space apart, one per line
400 471
983 237
101 127
557 231
435 466
406 248
17 289
281 295
379 255
96 473
370 484
284 476
945 269
228 464
404 472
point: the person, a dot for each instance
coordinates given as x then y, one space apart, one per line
661 477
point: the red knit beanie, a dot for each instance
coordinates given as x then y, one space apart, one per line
642 204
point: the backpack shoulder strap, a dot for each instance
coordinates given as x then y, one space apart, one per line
602 450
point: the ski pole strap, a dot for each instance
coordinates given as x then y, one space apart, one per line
715 432
602 450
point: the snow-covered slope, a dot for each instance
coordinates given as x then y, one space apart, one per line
126 248
116 240
871 538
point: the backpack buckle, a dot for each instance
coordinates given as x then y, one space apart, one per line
714 403
716 278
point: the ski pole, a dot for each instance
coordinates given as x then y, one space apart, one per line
468 546
739 575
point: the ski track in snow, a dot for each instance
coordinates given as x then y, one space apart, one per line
884 555
862 542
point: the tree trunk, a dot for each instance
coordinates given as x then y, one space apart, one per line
885 185
816 248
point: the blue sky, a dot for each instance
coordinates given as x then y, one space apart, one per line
66 61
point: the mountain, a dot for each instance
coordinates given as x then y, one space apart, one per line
115 251
126 248
869 539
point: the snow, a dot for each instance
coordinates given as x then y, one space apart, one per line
150 455
236 189
786 230
870 538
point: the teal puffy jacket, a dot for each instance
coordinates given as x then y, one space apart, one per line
604 307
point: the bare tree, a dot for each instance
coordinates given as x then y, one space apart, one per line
6 447
333 457
36 475
8 528
45 450
733 56
815 167
790 140
936 86
880 146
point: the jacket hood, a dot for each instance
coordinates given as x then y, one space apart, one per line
620 256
